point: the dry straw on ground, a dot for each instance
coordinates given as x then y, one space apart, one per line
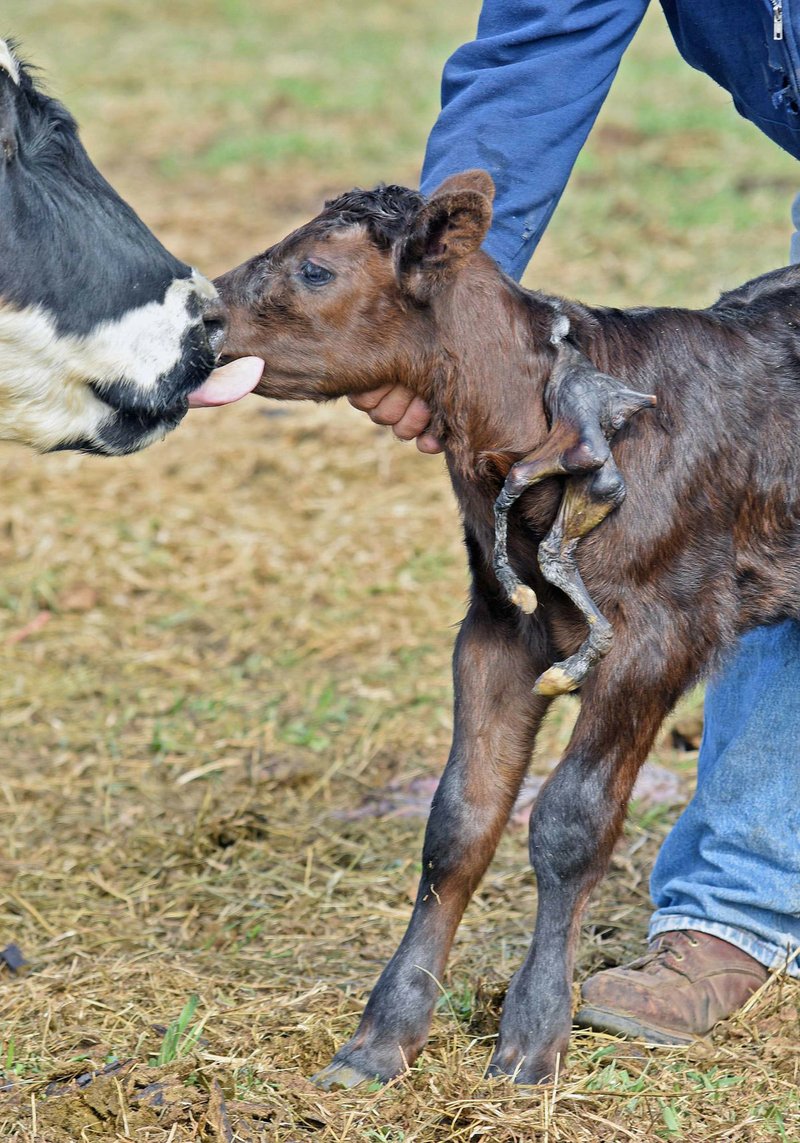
249 630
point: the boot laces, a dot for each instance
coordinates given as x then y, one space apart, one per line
667 954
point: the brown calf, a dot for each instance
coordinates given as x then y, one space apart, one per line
384 286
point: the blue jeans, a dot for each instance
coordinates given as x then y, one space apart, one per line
731 864
794 252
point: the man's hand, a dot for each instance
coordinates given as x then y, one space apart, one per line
408 415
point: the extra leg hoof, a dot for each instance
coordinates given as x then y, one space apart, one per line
567 676
342 1075
524 598
557 680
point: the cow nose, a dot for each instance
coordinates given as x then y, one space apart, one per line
215 324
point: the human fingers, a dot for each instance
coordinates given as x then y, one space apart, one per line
392 407
429 444
415 420
366 402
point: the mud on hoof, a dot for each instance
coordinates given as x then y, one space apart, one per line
343 1075
540 1070
360 1063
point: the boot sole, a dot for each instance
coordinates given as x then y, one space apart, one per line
603 1020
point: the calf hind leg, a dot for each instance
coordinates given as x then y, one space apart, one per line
574 825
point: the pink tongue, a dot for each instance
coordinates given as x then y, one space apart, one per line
229 383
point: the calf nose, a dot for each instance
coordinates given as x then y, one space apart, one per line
215 323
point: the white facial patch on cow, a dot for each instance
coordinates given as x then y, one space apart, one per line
7 61
45 399
144 343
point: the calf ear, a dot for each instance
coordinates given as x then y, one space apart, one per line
476 180
447 229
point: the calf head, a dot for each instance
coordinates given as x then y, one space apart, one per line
353 299
103 334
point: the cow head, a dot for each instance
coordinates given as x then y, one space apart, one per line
103 334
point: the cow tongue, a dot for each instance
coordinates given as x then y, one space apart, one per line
229 383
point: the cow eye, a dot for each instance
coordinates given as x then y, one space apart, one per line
315 275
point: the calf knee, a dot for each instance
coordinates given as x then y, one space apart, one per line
570 822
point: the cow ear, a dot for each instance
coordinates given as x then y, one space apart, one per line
8 124
9 80
8 63
444 233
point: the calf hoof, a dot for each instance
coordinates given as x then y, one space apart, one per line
358 1063
538 1069
342 1075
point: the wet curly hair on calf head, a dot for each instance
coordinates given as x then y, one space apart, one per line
386 211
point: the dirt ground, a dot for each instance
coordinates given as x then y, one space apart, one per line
224 663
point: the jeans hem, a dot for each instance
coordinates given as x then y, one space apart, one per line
773 958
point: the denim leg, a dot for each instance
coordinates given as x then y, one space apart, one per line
794 250
731 864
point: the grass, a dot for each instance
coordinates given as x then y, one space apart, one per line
180 1038
211 652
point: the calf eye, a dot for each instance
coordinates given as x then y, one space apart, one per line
315 275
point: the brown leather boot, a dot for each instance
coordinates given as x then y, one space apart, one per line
680 989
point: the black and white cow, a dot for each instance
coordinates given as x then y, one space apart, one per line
104 336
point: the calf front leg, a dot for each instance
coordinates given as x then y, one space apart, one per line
574 825
496 718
